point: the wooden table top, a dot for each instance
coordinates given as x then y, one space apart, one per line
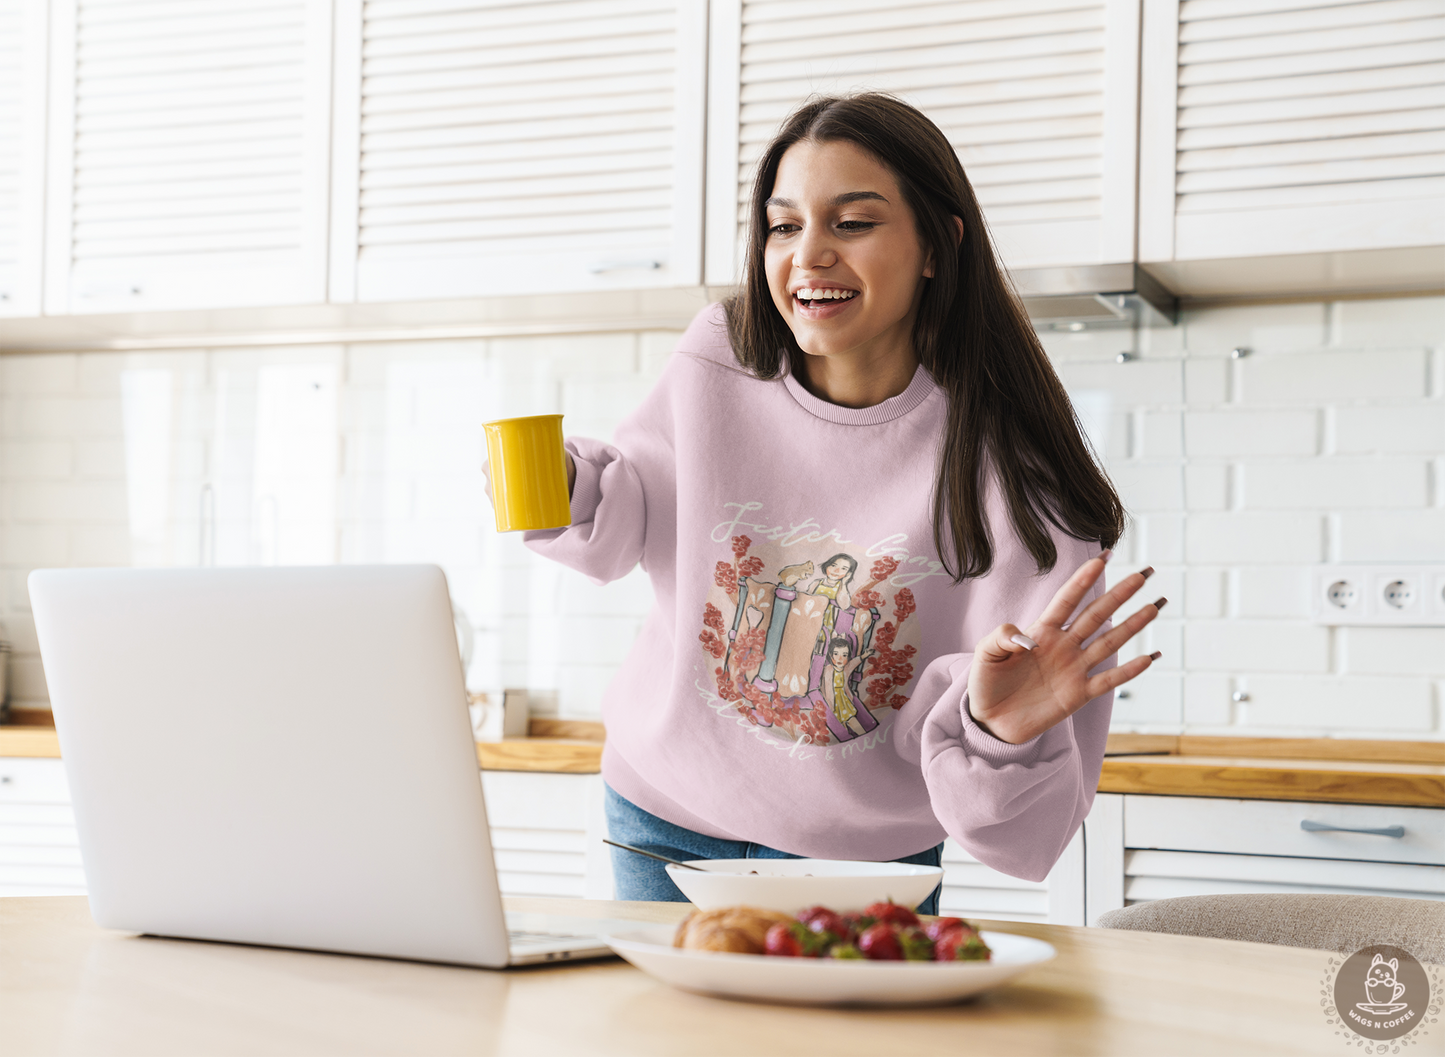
69 987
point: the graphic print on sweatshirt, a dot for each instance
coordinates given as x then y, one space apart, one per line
810 638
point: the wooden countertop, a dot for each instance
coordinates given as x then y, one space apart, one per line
1358 771
1353 771
68 986
566 746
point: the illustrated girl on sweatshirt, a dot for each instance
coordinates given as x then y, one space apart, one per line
833 585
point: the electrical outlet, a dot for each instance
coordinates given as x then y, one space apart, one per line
1401 595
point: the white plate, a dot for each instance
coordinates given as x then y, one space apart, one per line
824 981
789 885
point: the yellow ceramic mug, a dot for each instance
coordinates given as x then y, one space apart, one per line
529 473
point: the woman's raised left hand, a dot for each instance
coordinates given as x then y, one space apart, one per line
1021 683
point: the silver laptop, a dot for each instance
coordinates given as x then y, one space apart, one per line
279 756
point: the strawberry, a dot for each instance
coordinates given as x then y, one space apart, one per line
857 922
917 947
938 926
961 945
880 943
845 951
821 919
780 941
891 913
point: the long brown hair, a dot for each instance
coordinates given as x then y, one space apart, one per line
1007 409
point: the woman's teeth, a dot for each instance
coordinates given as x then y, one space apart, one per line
825 295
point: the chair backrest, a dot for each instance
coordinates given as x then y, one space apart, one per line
1342 923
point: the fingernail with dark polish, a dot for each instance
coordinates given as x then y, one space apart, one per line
1147 571
1161 603
1155 655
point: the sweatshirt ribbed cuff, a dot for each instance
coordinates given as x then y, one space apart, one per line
979 742
586 489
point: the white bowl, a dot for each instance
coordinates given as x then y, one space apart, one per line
826 981
789 885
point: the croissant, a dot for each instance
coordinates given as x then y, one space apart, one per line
740 930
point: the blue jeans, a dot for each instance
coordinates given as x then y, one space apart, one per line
639 877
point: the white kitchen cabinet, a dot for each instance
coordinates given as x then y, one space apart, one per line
1039 98
547 832
1142 848
22 153
486 149
1309 132
971 889
188 154
39 849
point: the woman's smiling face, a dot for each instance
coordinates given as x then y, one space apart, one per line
839 229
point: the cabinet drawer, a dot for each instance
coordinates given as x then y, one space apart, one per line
1164 874
1272 827
32 781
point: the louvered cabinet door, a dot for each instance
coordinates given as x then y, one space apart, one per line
188 154
1275 127
22 154
487 148
1038 97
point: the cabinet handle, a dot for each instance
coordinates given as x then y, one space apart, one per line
602 267
1320 827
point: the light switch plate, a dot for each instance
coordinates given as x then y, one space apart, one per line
1393 595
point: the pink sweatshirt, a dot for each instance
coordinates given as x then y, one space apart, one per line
801 681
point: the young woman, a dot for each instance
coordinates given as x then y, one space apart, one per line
874 392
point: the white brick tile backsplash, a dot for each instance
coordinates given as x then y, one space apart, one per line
1162 540
1335 484
1248 538
1271 591
1206 381
100 545
63 417
69 502
1357 703
1206 485
1086 346
1393 651
1404 428
1258 327
100 458
1153 700
1392 535
36 460
1160 436
1148 486
1342 377
1395 321
1249 434
569 355
35 546
27 678
1255 646
1138 382
48 373
1218 460
19 631
1204 592
1207 700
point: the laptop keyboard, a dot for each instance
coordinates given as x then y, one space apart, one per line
520 936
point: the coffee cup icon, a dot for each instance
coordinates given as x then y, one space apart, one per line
1382 987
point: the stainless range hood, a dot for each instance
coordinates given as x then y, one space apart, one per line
1102 296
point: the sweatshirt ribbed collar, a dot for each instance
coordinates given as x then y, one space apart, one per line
918 391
